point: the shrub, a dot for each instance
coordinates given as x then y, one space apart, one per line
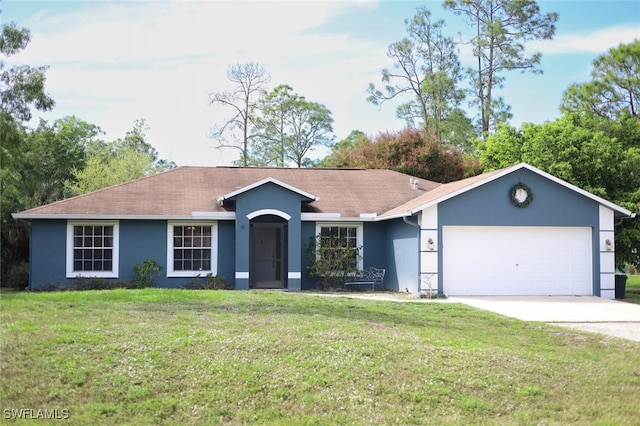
145 272
331 260
88 283
18 276
211 282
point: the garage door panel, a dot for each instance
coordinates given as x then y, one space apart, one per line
517 260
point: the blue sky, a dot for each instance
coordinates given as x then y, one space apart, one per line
114 62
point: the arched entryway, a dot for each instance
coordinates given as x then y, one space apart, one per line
268 252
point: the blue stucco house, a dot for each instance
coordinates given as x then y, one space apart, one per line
514 231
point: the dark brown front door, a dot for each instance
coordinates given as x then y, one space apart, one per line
267 255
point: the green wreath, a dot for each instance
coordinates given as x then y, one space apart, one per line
516 195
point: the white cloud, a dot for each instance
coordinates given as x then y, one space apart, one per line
589 42
114 63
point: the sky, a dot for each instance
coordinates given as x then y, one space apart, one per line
113 62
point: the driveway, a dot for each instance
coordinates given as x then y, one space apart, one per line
586 313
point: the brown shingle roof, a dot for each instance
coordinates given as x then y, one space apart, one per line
349 192
182 191
439 193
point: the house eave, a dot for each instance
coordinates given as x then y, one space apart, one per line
337 217
63 216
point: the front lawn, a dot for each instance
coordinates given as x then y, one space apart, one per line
209 357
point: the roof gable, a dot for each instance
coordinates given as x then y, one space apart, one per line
453 189
265 181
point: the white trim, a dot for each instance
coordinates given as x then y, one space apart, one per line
265 181
214 249
70 273
320 217
294 275
608 294
368 215
314 217
242 275
214 215
359 235
274 212
85 217
429 218
606 219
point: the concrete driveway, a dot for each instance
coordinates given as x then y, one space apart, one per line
587 313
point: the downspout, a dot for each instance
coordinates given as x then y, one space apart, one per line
619 220
408 222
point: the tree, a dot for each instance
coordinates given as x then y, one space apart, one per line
609 103
501 27
21 87
342 147
408 151
602 157
614 88
33 173
426 66
120 161
288 127
251 80
136 140
21 90
124 166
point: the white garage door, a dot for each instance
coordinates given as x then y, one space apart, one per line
517 261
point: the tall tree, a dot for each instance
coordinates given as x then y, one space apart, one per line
34 173
250 86
21 90
614 88
288 127
501 27
22 86
609 103
600 156
117 162
426 67
343 148
136 141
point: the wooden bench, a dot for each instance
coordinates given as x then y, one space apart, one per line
369 276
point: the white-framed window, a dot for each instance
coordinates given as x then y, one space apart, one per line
93 249
337 235
192 249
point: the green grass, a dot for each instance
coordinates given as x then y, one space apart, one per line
214 357
632 292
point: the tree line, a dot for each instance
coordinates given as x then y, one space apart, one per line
53 160
594 144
